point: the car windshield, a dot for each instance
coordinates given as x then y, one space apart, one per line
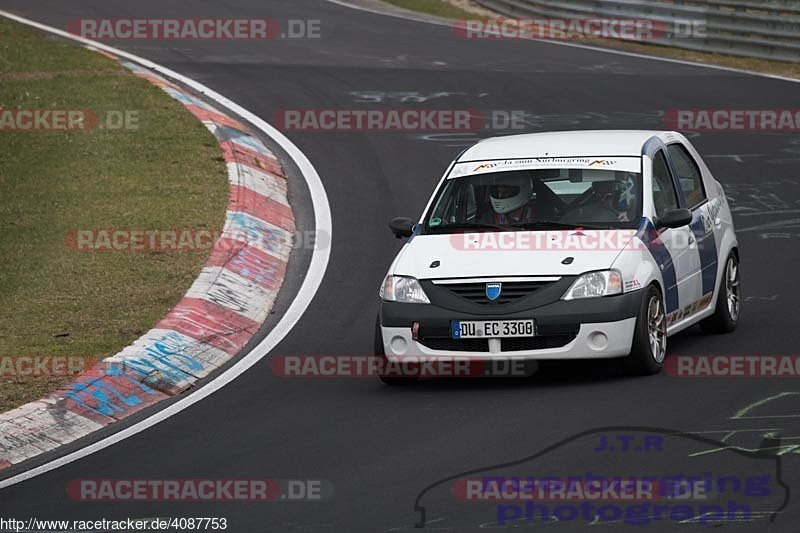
537 199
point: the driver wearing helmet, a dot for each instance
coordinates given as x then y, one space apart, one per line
607 194
512 201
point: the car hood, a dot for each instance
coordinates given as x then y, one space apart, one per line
529 253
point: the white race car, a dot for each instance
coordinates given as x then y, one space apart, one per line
568 245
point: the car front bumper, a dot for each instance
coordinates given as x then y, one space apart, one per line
595 328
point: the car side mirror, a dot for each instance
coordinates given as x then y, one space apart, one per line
675 218
402 227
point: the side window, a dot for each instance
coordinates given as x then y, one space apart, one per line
688 173
664 196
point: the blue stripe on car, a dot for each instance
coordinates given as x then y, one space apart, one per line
415 229
707 248
650 237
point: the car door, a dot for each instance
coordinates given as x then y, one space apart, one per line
679 242
695 198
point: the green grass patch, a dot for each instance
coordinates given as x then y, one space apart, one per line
168 173
434 7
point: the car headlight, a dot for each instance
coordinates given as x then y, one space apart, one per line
594 284
403 289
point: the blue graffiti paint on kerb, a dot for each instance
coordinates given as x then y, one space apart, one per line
105 394
226 133
165 356
257 231
261 275
188 99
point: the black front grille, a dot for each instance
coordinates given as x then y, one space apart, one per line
516 344
510 291
535 343
456 345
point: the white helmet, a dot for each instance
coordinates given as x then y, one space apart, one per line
517 192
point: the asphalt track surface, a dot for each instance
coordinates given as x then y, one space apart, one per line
380 447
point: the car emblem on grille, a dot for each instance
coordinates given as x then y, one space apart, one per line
493 290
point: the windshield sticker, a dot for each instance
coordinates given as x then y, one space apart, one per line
625 164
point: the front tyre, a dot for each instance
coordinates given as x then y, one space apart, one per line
649 346
381 354
729 301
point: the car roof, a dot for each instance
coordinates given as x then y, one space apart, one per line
562 144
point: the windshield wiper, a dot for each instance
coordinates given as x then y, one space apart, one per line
551 223
470 225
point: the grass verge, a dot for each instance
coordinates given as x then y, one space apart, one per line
166 173
440 8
